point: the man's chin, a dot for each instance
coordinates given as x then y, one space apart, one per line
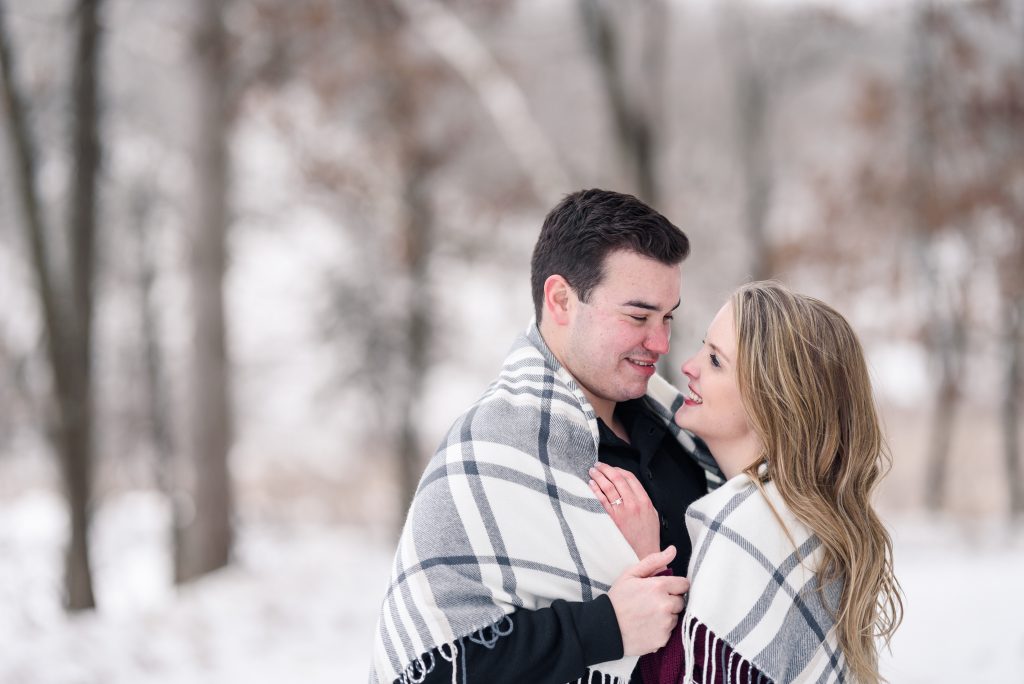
634 391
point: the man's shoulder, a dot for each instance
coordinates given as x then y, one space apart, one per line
527 400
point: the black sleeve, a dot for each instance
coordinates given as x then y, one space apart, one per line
553 645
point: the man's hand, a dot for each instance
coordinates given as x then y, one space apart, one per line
648 607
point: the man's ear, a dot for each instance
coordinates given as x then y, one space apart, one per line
558 298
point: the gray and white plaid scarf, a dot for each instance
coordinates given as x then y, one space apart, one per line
756 594
503 519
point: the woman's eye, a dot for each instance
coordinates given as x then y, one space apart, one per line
714 361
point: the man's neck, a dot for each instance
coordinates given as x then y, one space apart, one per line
603 408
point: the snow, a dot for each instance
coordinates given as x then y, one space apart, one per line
300 601
298 604
963 602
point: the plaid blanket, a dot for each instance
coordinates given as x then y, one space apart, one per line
754 598
503 519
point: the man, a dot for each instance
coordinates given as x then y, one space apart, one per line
508 569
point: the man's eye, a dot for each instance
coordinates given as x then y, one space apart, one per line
641 319
669 318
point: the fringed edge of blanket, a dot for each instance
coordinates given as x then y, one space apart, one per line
595 677
455 653
721 662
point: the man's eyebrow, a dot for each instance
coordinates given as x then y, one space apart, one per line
638 304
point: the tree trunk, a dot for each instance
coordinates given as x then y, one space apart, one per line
158 405
206 537
944 327
1014 321
504 100
949 349
752 113
1013 335
67 306
634 123
78 422
418 240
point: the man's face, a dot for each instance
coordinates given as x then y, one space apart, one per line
616 337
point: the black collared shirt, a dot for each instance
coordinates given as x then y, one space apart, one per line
670 477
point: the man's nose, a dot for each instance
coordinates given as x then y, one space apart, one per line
657 339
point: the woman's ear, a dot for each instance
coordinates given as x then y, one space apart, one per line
558 296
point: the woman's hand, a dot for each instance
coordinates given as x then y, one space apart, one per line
630 508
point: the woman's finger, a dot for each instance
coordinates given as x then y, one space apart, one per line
605 485
633 486
601 497
626 483
620 479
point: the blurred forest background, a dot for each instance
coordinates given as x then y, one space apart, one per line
255 255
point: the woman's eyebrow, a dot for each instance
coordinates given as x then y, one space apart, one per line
718 350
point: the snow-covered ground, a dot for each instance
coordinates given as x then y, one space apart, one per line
300 602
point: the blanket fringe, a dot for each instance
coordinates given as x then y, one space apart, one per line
595 677
454 648
720 662
418 669
486 636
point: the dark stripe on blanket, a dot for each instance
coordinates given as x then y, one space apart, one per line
503 561
508 578
552 490
533 392
501 472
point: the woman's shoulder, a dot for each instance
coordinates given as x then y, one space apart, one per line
750 513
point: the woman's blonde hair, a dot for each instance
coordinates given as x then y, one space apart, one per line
806 390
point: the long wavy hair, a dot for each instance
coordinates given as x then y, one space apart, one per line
806 390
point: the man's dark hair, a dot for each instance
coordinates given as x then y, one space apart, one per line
586 226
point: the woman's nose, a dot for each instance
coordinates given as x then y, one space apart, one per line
690 368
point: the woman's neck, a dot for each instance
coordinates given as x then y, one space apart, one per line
735 456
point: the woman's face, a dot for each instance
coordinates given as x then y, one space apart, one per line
713 409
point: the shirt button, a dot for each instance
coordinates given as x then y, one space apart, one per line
649 473
664 523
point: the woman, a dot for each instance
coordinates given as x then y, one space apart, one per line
791 573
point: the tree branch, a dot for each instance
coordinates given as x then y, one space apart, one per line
503 99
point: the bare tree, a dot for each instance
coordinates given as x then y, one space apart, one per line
157 395
67 305
1012 339
944 329
956 191
975 120
633 91
388 29
1008 112
205 538
751 87
448 35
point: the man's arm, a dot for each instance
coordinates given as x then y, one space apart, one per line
552 645
557 644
